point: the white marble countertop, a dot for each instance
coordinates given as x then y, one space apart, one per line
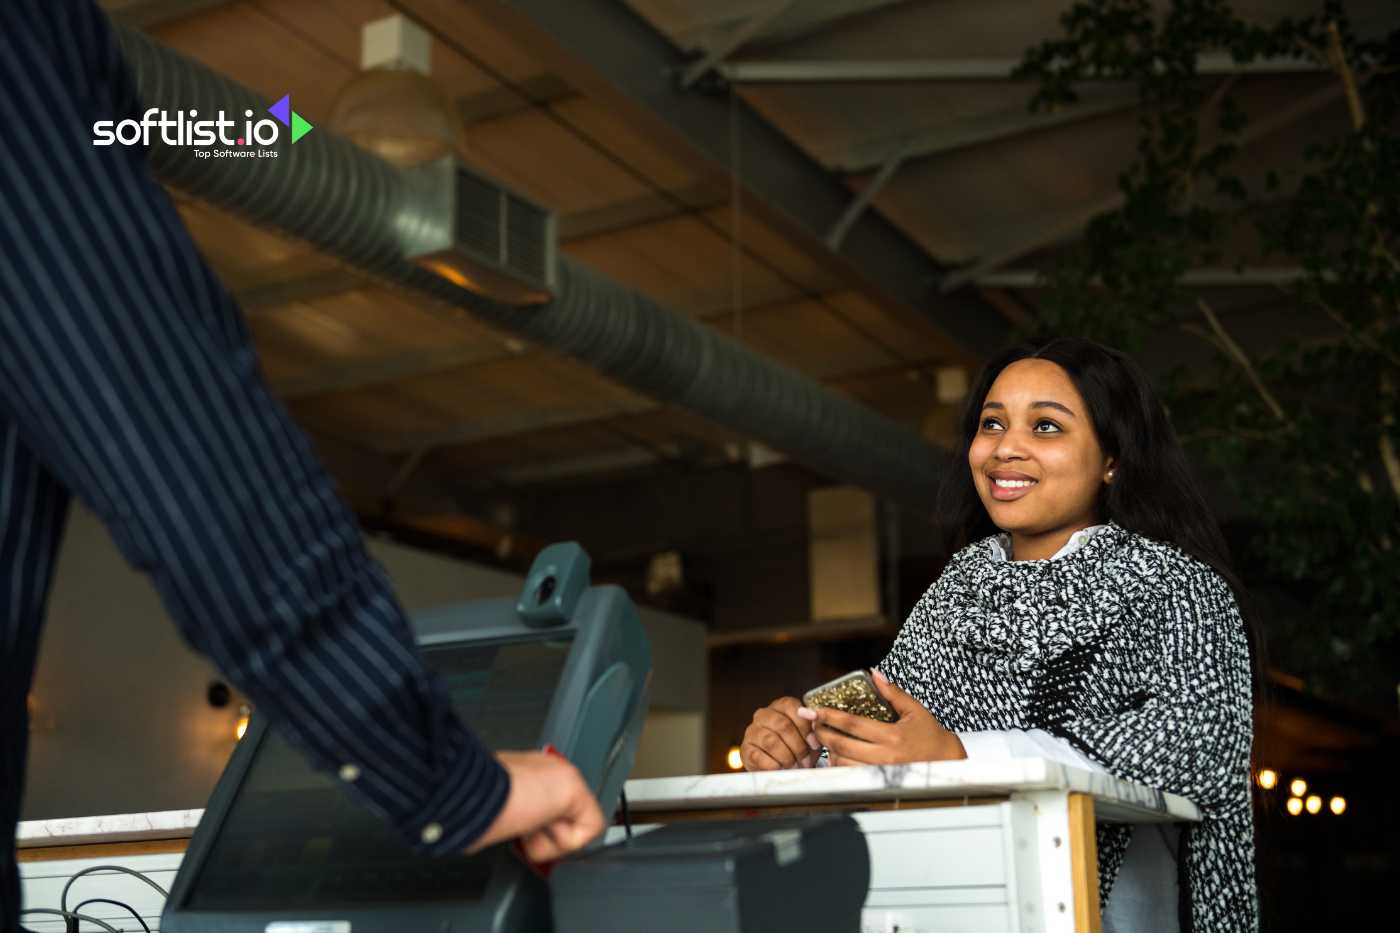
1113 799
122 827
946 780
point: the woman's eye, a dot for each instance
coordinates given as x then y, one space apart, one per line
1046 423
990 424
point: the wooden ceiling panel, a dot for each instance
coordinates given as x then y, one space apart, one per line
520 384
544 160
638 151
363 415
809 336
361 326
683 264
243 255
672 424
812 272
466 27
914 339
337 28
267 56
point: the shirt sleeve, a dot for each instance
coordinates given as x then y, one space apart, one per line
129 371
1025 743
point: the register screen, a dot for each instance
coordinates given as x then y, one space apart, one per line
294 840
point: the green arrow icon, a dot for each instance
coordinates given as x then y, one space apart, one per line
300 126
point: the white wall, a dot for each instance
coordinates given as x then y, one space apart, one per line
121 722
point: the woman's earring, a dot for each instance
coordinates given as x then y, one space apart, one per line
1109 477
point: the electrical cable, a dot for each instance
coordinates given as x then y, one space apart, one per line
626 817
124 906
63 898
69 915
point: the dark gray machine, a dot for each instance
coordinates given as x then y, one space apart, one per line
795 874
282 848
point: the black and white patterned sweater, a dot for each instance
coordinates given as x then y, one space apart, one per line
1131 650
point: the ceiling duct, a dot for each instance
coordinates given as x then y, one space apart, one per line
355 206
485 237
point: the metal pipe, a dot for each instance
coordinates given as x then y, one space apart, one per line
350 204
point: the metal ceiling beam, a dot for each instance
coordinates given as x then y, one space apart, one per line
869 193
814 16
1067 225
613 55
734 40
869 154
954 69
1249 275
801 20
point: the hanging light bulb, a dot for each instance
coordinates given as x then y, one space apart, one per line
1268 779
392 107
1313 803
1298 788
240 725
1295 806
1338 805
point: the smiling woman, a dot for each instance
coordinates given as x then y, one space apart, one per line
1087 614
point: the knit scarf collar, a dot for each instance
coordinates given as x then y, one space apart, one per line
1026 613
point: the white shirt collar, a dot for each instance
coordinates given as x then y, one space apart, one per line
1001 544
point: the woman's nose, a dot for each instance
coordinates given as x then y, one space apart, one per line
1011 446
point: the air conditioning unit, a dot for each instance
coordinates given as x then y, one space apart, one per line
478 234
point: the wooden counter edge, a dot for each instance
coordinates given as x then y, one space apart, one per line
1084 863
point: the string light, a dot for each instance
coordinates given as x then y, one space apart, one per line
1295 806
1268 779
1338 805
1298 788
1313 803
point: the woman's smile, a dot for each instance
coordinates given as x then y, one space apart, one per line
1008 485
1036 461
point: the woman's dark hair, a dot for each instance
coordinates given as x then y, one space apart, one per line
1153 492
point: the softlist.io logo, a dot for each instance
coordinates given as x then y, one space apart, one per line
206 136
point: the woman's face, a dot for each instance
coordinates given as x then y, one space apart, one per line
1036 459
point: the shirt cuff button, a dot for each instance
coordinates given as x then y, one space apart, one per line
431 833
349 773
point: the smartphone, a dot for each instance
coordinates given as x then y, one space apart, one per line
853 693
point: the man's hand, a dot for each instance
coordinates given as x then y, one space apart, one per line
855 740
778 738
549 807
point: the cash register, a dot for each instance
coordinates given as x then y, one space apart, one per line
282 849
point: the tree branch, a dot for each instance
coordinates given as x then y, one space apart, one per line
1233 350
1391 459
1358 337
1389 456
1337 58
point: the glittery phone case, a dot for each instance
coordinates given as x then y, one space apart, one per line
853 693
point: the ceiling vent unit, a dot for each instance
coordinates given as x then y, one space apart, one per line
482 236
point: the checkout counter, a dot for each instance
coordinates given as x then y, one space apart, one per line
955 847
948 846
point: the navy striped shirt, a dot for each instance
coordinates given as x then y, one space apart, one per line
128 379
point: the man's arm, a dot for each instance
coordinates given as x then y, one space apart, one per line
128 369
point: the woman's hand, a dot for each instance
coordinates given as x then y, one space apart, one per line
855 740
778 738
